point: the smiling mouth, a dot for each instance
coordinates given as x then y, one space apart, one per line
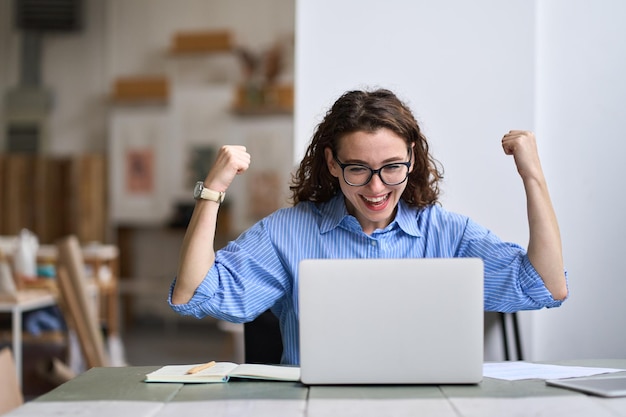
377 201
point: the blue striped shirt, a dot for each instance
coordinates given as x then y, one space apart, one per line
259 270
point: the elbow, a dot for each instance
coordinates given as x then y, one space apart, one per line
178 298
178 294
560 293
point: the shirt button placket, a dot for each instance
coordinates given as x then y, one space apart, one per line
374 249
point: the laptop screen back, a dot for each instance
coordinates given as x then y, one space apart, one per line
391 321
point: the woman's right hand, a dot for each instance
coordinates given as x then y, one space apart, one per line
231 160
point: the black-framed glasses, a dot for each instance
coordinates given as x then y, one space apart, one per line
359 175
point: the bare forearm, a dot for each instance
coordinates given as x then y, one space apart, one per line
197 254
544 246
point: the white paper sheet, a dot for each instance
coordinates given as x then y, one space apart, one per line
512 371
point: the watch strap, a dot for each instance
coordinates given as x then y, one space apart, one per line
201 192
212 195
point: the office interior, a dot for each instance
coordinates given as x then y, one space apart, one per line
118 89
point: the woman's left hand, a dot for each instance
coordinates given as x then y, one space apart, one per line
523 146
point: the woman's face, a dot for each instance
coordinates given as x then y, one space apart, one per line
373 204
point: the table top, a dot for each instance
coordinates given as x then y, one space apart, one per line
122 390
27 300
91 252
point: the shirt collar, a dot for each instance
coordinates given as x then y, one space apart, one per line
334 213
406 217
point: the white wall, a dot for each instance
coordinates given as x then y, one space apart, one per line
472 71
580 111
467 77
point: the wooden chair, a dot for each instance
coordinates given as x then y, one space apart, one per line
78 304
10 394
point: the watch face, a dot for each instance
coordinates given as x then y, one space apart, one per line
197 190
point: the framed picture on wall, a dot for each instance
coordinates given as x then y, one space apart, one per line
138 159
139 170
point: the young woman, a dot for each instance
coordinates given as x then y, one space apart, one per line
366 188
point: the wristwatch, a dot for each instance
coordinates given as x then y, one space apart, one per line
201 192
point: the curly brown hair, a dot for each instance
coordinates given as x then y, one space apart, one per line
366 111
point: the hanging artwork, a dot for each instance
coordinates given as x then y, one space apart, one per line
139 155
140 171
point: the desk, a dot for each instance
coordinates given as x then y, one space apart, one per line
25 301
120 391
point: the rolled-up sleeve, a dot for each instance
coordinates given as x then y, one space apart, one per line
245 280
207 287
532 285
511 282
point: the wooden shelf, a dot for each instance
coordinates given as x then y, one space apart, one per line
261 111
141 90
265 101
198 42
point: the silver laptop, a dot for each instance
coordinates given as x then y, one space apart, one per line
604 386
391 321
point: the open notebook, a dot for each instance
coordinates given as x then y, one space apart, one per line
391 321
222 372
